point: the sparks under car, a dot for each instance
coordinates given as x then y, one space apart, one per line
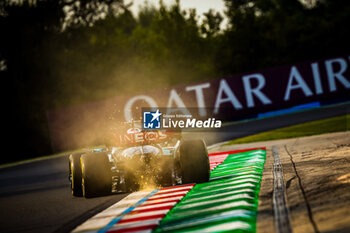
138 158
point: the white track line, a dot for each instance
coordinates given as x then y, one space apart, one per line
281 213
102 219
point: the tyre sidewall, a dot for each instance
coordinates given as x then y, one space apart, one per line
75 169
96 173
194 161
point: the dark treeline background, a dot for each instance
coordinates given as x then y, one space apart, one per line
59 53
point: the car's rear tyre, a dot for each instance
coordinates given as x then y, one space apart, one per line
96 174
75 175
194 162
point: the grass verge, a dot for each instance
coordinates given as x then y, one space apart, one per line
330 125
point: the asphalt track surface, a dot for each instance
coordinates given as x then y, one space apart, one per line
35 197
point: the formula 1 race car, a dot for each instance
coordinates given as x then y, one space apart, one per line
138 160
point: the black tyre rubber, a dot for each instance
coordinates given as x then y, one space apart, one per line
194 162
75 175
96 174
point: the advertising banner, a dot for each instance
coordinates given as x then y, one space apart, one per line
230 98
